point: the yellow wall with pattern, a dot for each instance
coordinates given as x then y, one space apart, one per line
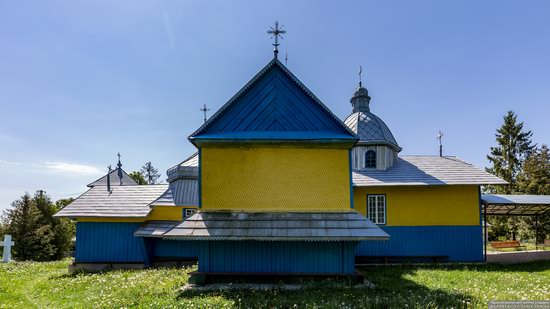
425 205
174 213
275 179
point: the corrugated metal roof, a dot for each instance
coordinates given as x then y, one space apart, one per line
121 202
511 199
515 204
126 180
188 169
275 226
425 170
371 130
181 192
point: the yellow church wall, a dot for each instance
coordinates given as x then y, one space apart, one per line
167 213
103 219
275 179
157 213
425 205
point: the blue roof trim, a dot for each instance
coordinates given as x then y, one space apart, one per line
274 101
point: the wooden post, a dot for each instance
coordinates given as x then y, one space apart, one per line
7 244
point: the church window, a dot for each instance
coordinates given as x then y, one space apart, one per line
376 208
370 159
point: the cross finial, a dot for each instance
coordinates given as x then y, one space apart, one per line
276 33
360 75
204 109
119 164
439 137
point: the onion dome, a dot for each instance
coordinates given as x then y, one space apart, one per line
370 129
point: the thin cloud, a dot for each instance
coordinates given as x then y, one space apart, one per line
73 168
55 167
169 29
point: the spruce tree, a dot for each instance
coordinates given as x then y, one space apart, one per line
22 222
150 173
37 234
514 145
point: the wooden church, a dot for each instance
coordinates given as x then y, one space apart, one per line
280 185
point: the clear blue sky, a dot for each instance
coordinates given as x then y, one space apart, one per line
83 80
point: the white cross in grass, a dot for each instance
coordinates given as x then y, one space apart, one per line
7 244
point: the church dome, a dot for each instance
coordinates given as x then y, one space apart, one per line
370 129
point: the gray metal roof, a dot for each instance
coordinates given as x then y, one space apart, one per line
186 169
425 170
126 180
371 130
272 226
121 202
181 192
527 205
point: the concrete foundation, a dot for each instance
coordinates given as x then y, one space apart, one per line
517 257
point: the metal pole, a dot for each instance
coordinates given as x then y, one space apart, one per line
485 232
536 232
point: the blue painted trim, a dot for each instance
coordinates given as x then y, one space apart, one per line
200 178
459 243
350 181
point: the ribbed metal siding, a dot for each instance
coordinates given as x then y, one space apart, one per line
460 243
176 249
98 242
278 257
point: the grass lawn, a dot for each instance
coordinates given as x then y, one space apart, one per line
47 285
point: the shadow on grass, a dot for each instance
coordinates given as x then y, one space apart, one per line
393 290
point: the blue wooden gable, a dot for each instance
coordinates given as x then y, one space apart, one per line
273 107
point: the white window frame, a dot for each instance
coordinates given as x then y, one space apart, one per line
187 212
376 208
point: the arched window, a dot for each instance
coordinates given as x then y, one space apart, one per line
370 159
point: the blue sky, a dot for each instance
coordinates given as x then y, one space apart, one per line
83 80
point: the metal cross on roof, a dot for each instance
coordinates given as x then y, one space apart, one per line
276 33
360 75
204 109
439 137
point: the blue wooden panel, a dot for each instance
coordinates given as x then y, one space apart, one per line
274 101
98 242
278 257
460 243
176 249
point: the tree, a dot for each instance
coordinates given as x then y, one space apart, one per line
513 147
137 176
535 176
535 179
37 234
22 223
150 173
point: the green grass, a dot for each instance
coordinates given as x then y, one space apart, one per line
47 285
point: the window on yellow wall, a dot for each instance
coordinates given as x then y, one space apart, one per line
187 212
376 208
